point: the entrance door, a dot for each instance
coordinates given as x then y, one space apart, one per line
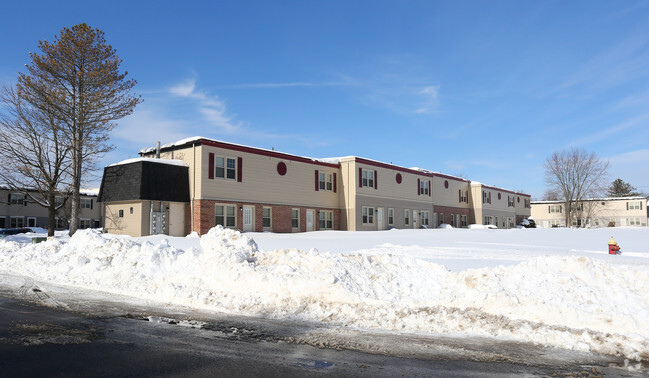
248 219
379 218
415 219
310 214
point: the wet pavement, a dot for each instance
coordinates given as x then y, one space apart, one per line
57 331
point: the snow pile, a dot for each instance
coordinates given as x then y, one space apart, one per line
574 302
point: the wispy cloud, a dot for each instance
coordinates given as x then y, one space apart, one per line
611 131
211 107
286 85
613 66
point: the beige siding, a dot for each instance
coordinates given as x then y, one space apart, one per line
593 213
262 183
443 196
389 194
135 224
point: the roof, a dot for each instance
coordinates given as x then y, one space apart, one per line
144 179
594 199
331 161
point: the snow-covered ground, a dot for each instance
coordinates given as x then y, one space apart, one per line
555 287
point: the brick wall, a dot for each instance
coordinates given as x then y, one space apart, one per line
281 216
447 211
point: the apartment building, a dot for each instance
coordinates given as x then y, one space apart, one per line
594 212
253 189
20 210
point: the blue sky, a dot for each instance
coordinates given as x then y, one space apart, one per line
486 90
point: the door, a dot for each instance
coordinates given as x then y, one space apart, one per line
248 219
379 218
457 221
415 220
309 220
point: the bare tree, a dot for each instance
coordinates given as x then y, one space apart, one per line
77 80
576 175
32 153
551 195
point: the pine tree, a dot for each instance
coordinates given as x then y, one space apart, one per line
77 79
620 188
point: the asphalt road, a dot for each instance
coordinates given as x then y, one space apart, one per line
57 332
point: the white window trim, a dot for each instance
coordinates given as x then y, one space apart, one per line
406 217
328 217
390 216
225 168
368 182
326 181
16 217
365 213
225 214
270 218
298 219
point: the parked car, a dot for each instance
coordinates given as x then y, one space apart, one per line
528 223
13 231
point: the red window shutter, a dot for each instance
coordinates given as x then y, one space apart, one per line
317 180
239 169
335 183
210 173
459 192
360 177
376 180
418 186
430 189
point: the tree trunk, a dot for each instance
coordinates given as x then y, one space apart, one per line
51 214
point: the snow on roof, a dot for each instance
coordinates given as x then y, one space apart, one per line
173 144
594 199
152 160
89 192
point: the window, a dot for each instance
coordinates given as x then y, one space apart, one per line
326 220
121 213
441 218
596 222
580 207
486 197
634 221
16 199
31 222
2 222
326 181
225 168
406 217
85 203
511 222
295 218
511 202
390 216
527 203
368 178
61 223
634 205
266 217
84 223
368 215
554 209
487 219
453 220
463 221
463 195
17 222
225 215
555 223
424 187
424 218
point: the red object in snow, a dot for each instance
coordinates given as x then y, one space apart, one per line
613 248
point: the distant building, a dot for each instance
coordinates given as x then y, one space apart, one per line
19 210
594 212
252 189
